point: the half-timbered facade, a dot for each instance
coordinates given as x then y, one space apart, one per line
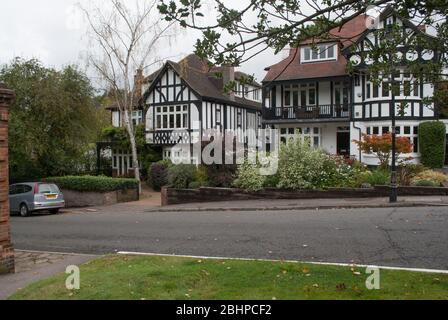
313 93
184 100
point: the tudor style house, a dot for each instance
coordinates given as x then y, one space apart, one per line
181 101
312 92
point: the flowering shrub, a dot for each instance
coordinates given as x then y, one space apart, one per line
382 146
303 167
249 178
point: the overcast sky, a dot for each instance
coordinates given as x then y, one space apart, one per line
53 32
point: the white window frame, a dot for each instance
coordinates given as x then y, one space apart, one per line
412 135
172 110
303 133
319 53
137 117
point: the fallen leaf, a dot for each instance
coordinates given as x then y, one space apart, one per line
341 287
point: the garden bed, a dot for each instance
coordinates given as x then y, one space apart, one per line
171 196
88 191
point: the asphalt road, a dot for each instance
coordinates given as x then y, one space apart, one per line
407 237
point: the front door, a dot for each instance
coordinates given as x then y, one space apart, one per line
343 143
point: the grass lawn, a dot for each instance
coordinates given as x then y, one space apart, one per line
132 277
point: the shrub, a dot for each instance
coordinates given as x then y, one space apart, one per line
300 166
194 185
271 181
407 172
158 174
381 146
432 136
180 176
201 176
249 178
378 178
93 183
303 167
426 183
221 175
429 175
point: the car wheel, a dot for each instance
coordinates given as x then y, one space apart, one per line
24 212
54 211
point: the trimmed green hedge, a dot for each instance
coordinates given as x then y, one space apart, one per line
93 183
432 135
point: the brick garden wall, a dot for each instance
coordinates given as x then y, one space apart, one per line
6 248
180 196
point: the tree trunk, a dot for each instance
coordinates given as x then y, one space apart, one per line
135 162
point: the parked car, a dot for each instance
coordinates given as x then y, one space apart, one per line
25 198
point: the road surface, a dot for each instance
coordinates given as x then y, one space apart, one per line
404 237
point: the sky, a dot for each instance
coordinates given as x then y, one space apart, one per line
54 32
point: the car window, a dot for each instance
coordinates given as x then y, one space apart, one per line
19 189
27 189
48 188
13 190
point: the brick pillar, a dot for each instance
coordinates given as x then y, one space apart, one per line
6 248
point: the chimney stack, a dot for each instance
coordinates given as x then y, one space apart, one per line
138 83
228 75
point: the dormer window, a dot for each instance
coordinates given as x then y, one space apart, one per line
321 52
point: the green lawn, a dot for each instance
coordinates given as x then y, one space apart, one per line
131 277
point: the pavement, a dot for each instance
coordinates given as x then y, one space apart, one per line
32 266
414 237
305 204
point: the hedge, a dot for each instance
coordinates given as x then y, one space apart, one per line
93 183
432 136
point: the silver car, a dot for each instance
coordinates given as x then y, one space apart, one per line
25 198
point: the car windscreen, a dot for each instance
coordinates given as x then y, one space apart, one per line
48 188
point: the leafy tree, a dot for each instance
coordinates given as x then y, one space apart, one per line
125 35
382 147
53 120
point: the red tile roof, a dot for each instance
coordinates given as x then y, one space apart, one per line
291 68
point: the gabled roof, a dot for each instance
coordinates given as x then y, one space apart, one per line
202 79
348 35
291 68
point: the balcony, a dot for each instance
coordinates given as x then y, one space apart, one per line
321 112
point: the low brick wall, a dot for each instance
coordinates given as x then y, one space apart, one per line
179 196
76 199
6 248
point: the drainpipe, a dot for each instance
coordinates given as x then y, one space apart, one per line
360 137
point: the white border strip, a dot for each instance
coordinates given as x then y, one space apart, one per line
128 253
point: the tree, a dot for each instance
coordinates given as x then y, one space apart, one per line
125 36
53 120
382 147
232 39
